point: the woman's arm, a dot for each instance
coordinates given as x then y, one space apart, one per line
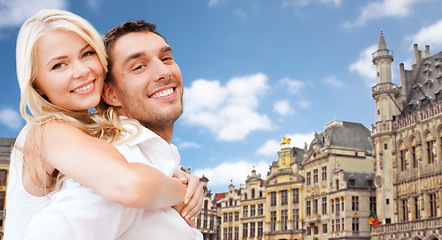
98 165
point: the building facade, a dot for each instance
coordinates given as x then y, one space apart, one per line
338 170
6 145
284 187
407 140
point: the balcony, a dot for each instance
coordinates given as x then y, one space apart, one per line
382 127
423 171
381 88
410 226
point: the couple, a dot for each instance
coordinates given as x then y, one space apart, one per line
112 174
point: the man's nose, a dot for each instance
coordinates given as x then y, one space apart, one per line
162 71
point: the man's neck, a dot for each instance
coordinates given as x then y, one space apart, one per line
165 133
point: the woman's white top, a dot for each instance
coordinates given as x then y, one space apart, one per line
21 206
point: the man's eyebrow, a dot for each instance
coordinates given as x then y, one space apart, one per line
166 49
133 56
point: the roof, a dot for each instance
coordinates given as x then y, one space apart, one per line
360 179
423 84
219 196
344 134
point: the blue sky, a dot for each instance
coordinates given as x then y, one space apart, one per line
253 71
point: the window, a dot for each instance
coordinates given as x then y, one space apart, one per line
230 233
342 204
260 229
284 197
236 232
324 205
225 233
260 209
338 225
324 228
373 203
309 231
230 216
273 220
403 160
245 209
205 223
253 193
284 219
3 176
315 176
413 156
355 203
236 216
211 222
430 151
355 224
198 222
315 207
416 208
343 224
332 205
225 217
252 210
333 225
244 230
296 218
404 208
295 195
308 178
433 206
273 198
308 208
385 146
252 229
315 230
338 204
324 173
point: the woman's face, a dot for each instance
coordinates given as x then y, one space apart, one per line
69 72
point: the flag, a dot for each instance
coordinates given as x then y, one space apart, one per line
372 219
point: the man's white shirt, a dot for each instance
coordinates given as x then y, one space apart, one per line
77 212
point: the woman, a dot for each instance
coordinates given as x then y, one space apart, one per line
61 64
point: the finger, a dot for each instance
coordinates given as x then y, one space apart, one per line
193 208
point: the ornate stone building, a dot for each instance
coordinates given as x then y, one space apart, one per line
338 170
407 140
6 144
284 187
252 204
208 221
229 209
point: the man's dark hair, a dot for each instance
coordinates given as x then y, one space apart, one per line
132 26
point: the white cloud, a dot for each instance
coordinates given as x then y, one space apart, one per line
227 111
272 146
379 9
337 3
11 118
365 67
236 171
332 81
292 85
431 35
283 108
304 104
184 145
14 13
215 2
95 4
240 13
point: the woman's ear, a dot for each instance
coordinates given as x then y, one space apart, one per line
38 89
109 95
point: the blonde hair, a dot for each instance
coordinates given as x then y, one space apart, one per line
105 124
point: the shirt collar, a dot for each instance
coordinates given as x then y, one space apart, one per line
144 134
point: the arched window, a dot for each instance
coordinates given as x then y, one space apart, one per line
430 149
253 193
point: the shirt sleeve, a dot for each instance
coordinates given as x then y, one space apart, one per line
77 212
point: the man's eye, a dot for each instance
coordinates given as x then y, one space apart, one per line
167 59
58 66
138 67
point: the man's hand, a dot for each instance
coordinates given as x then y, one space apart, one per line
193 198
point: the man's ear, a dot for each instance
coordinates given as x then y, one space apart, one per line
110 96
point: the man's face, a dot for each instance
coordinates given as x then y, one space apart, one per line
147 83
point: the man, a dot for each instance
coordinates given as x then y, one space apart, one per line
143 83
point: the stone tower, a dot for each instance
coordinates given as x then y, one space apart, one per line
384 93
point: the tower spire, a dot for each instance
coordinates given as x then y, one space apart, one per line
382 43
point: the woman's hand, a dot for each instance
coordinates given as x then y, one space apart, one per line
193 198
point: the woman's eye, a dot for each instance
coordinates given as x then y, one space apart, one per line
88 53
58 66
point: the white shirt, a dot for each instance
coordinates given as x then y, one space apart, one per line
21 206
77 212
